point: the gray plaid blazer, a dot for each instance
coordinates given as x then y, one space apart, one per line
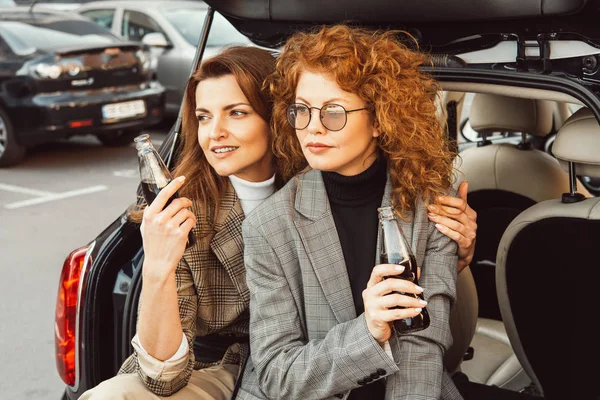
306 340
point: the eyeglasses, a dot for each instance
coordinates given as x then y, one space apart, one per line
333 116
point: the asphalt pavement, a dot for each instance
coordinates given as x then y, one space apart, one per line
60 198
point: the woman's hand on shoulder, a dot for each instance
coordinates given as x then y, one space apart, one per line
457 220
165 229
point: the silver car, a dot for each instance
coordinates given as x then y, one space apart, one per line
171 29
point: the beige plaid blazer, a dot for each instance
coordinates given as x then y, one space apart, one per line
213 299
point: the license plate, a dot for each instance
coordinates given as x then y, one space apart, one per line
127 109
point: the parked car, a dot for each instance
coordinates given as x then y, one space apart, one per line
62 75
172 30
527 69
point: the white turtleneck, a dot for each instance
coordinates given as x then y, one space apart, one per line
251 194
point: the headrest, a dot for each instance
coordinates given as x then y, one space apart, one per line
495 113
578 141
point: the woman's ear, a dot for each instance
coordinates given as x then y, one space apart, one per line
375 132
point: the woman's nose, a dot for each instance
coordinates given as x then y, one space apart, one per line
315 126
218 129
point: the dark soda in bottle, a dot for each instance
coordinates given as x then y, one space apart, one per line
394 249
154 174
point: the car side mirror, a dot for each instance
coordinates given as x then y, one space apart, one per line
156 39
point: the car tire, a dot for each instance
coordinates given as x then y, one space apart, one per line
11 152
118 138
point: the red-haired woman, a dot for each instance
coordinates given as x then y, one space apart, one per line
354 105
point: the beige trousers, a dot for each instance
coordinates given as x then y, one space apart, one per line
214 383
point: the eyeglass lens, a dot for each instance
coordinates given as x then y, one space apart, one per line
333 116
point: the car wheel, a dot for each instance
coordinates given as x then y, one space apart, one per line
11 152
122 137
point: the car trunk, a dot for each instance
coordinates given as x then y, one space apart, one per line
444 27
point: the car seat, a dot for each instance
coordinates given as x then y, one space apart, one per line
547 273
504 179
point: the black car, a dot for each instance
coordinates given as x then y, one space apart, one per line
522 64
62 75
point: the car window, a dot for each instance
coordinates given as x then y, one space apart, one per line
104 18
185 21
50 36
136 25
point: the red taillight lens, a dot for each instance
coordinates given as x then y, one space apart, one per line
66 315
80 124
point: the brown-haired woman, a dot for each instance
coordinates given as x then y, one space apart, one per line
356 106
229 168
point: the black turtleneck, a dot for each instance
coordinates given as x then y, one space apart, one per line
354 201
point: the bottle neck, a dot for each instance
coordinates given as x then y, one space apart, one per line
144 147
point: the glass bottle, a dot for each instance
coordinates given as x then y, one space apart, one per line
394 249
154 174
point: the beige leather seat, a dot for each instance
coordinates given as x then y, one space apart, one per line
547 275
504 179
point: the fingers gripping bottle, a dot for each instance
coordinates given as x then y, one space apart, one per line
394 249
154 174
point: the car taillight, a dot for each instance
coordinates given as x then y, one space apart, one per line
67 308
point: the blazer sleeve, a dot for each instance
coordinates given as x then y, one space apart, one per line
421 368
288 365
165 378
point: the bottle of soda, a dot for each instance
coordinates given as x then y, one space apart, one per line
154 174
394 249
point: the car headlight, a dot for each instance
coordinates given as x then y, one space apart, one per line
48 71
72 68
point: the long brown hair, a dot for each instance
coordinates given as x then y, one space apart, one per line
385 74
250 66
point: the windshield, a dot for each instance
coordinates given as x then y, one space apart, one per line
189 22
57 34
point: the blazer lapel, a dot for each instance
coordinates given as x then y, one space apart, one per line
227 243
321 242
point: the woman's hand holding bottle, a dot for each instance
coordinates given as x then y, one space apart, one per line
382 296
165 227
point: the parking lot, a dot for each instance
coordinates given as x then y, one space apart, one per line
61 197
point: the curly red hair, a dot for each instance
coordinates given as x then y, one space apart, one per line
385 73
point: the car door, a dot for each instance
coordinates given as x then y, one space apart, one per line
137 24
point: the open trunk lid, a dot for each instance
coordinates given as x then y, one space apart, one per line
439 25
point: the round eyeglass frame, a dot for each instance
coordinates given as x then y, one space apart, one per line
321 116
